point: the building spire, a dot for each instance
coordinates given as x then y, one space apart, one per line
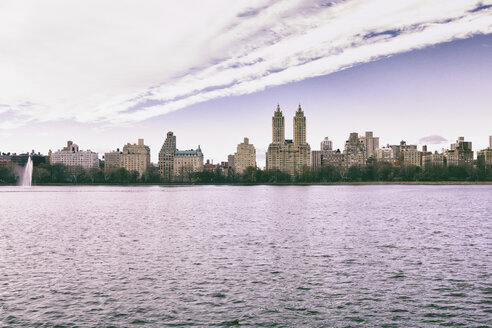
278 107
299 108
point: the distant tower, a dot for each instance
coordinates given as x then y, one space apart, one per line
299 127
490 142
326 144
278 127
166 157
371 144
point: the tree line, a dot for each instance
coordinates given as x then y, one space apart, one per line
375 172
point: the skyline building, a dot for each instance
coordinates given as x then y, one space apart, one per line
133 157
460 154
435 159
326 144
136 157
244 157
354 151
71 156
166 157
289 156
411 157
397 149
177 164
385 154
484 156
371 144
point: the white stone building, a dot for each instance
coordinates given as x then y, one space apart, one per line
72 156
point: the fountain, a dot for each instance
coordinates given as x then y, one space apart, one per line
27 175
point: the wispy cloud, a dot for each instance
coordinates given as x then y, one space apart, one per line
69 61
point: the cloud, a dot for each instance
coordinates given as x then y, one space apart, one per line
433 140
77 61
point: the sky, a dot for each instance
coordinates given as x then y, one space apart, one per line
107 73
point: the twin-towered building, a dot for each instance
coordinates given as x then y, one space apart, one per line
289 156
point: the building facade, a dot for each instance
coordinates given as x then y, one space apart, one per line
322 158
178 165
354 151
385 154
460 154
371 144
187 162
136 157
289 156
326 144
71 156
244 157
166 157
484 157
133 157
397 149
112 160
411 157
435 159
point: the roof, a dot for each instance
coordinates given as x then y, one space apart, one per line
191 152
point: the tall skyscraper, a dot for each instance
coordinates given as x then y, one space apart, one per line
299 127
278 127
289 156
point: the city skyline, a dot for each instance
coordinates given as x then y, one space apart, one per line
415 84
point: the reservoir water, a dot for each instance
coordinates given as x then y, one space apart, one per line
272 256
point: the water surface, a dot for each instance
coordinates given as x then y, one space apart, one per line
289 256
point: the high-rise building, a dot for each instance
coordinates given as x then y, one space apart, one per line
136 157
166 157
133 157
322 158
299 128
244 157
460 154
385 154
354 152
230 161
278 127
484 156
371 144
435 159
112 160
326 144
398 148
411 157
187 162
72 157
178 165
289 156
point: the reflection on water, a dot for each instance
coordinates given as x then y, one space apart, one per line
260 256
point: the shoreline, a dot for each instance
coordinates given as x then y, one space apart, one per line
346 183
